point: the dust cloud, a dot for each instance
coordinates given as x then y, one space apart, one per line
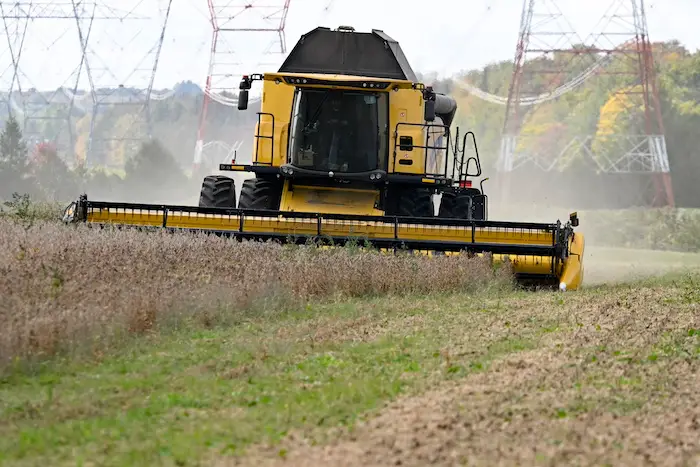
612 219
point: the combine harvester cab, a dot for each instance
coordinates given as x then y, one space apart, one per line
349 146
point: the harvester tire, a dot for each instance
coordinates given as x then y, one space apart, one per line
447 204
416 202
456 205
218 191
259 193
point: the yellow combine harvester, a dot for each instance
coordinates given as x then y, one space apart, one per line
350 146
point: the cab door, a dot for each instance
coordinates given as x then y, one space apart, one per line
408 139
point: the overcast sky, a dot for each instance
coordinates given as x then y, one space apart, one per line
445 36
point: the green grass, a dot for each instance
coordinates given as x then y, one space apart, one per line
180 397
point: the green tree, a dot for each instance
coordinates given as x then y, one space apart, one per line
13 149
14 163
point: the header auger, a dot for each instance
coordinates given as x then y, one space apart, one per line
349 145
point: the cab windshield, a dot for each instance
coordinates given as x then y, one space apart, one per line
339 131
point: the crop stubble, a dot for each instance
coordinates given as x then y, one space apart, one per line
614 384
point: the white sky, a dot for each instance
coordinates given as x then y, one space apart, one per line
445 36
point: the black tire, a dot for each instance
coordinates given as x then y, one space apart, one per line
447 204
456 205
259 193
218 191
411 202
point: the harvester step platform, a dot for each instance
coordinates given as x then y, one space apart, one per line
547 254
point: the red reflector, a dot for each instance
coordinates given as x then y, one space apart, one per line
465 184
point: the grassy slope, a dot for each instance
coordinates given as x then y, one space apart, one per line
182 399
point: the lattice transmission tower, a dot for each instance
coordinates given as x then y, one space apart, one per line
41 66
120 59
612 75
247 37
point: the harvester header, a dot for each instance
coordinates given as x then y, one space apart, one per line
350 146
543 254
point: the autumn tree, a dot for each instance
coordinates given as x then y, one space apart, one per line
52 175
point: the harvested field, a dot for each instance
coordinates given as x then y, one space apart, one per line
125 348
608 382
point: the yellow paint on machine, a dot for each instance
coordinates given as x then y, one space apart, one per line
523 264
572 274
323 199
360 229
569 272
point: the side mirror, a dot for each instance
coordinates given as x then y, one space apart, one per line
243 94
573 218
429 98
429 112
243 99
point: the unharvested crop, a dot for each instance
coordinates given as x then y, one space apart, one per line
79 288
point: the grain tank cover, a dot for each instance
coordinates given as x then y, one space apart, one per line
346 52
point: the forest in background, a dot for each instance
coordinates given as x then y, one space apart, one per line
594 108
587 109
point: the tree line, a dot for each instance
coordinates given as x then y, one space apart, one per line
152 175
597 108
